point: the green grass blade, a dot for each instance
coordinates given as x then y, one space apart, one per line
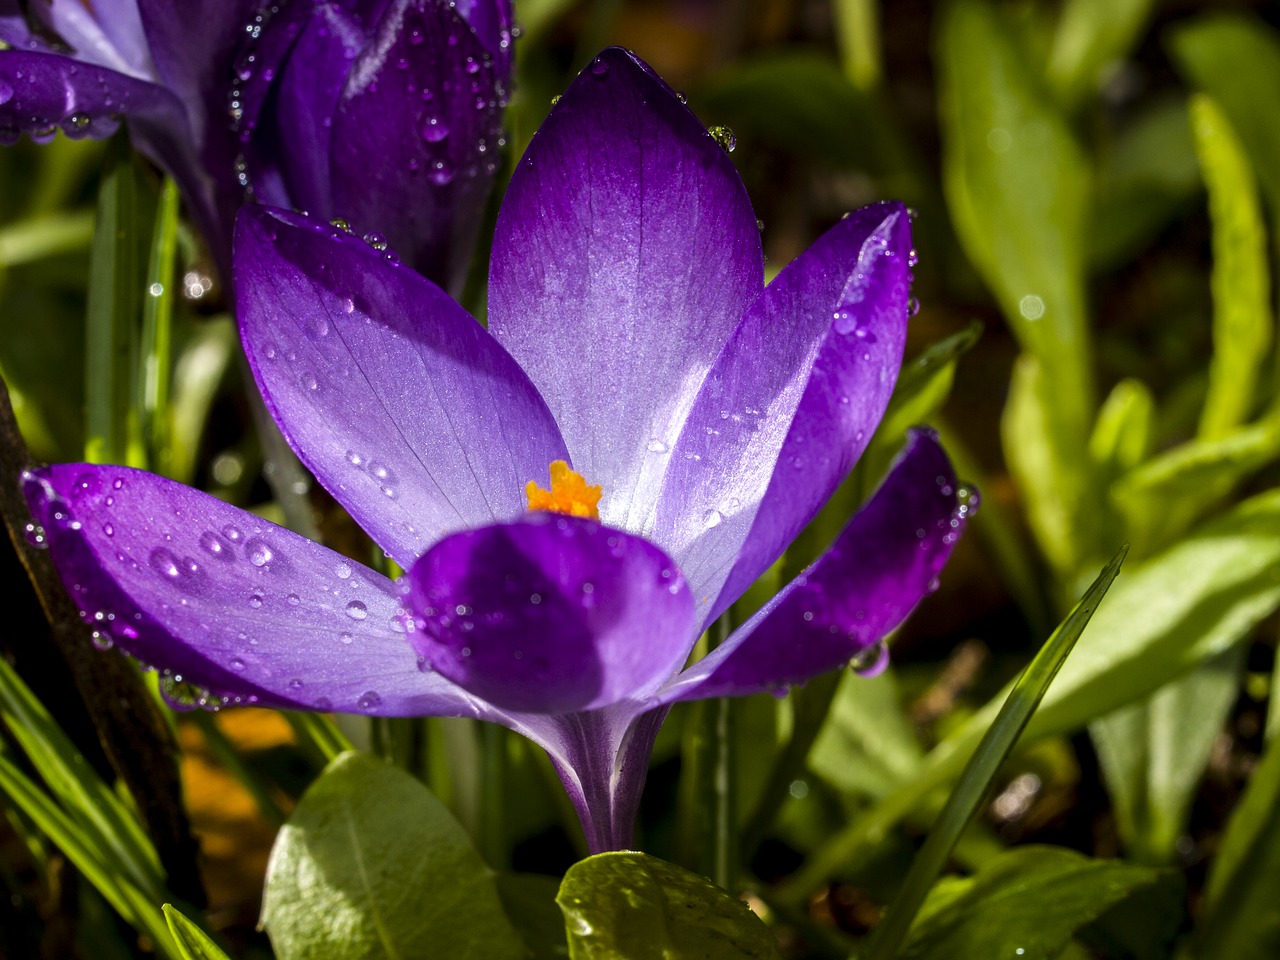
193 943
981 769
77 787
44 236
155 368
318 733
1241 282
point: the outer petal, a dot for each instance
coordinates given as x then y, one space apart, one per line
552 614
491 21
41 93
109 34
790 404
402 405
878 569
425 99
225 600
626 251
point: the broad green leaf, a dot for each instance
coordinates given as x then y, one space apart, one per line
1164 496
193 943
117 282
1241 282
630 906
1052 479
370 859
1154 753
1026 903
1241 920
1122 435
1092 36
1146 177
1018 186
1235 59
994 748
866 747
529 900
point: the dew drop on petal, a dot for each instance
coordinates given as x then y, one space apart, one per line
165 563
343 570
871 661
656 445
258 552
369 700
356 610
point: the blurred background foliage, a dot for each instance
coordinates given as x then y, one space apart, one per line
1096 188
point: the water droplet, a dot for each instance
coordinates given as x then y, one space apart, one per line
711 519
295 684
913 306
871 661
356 610
376 240
78 122
599 68
6 92
36 536
343 570
165 563
725 137
555 99
348 305
440 173
232 533
237 663
317 326
108 529
657 446
258 552
346 638
369 700
255 600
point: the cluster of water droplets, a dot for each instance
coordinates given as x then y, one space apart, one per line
75 124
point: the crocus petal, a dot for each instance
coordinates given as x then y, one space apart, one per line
13 26
393 396
416 136
491 21
108 34
227 601
878 569
41 93
551 614
789 406
290 134
625 253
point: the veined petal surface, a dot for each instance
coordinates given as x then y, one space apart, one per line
626 251
789 405
403 406
226 600
551 614
880 566
106 34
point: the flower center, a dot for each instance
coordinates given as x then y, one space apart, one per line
569 493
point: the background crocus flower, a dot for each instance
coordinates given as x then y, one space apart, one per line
690 420
386 114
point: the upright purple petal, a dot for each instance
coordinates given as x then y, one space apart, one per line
789 405
626 251
403 406
552 614
878 569
14 29
225 600
416 137
106 34
491 21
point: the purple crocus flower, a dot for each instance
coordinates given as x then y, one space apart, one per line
295 103
705 417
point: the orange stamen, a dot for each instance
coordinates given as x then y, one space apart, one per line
569 493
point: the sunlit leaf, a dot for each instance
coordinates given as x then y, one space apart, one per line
630 906
866 747
1092 36
370 859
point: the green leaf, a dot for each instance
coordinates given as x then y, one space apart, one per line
1241 283
370 859
630 906
1018 187
530 902
1154 753
117 281
866 747
1026 903
1241 919
1092 36
1232 57
995 746
1123 433
156 361
193 943
202 364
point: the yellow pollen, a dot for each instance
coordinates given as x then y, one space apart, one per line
569 493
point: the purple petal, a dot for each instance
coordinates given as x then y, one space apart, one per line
227 601
551 614
290 132
626 252
878 569
491 21
425 101
403 406
13 27
789 406
41 93
106 34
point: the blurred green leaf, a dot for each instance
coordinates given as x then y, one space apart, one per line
1164 496
1145 178
155 363
529 901
630 906
44 236
994 747
202 363
1235 58
117 281
193 943
866 747
1026 903
1122 436
1154 753
857 24
1241 919
1241 282
1092 36
370 859
1053 481
1018 187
